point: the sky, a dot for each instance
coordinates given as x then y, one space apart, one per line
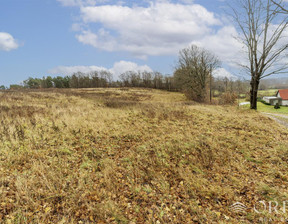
59 37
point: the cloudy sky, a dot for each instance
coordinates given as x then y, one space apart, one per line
51 37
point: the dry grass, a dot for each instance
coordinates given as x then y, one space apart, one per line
134 156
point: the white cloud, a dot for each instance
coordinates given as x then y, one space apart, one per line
7 42
124 66
224 44
82 3
76 27
77 2
69 70
223 73
187 1
162 28
117 69
156 27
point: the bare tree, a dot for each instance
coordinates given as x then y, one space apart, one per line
262 29
194 70
281 6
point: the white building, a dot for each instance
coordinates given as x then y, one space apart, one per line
281 98
272 100
283 94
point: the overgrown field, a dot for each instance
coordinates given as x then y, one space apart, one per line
135 156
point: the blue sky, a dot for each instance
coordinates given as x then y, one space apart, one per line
51 37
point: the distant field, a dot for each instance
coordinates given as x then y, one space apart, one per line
269 92
270 109
135 156
261 107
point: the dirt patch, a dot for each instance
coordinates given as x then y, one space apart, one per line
21 111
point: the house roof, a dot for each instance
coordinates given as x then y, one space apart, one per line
283 94
272 98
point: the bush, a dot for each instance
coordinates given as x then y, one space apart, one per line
198 95
228 98
264 102
259 99
277 106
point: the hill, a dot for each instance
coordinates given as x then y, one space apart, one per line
135 156
274 83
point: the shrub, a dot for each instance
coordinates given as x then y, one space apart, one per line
277 106
228 98
198 95
259 98
264 102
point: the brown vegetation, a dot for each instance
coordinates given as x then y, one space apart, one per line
134 156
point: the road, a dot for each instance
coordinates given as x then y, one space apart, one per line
280 118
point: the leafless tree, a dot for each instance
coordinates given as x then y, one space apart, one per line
262 30
280 4
194 70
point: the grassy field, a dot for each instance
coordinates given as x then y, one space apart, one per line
267 108
261 107
135 156
268 92
270 109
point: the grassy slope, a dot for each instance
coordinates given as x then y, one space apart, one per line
261 107
143 156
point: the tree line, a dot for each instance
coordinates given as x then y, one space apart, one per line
193 76
262 25
102 79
